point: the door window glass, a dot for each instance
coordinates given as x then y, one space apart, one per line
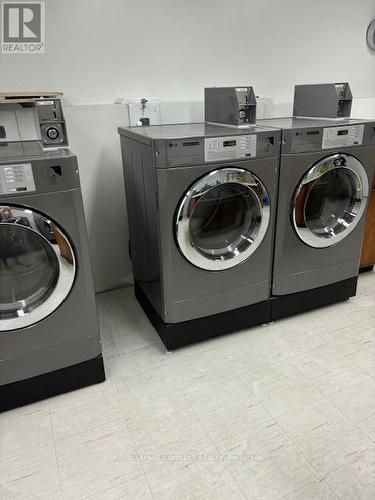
330 202
325 206
29 270
224 220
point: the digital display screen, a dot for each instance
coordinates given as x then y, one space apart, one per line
343 132
229 143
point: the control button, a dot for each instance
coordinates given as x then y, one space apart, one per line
52 133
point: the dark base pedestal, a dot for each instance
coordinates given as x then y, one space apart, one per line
51 384
288 305
366 269
176 335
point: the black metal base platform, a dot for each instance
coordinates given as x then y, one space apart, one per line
176 335
51 384
366 269
288 305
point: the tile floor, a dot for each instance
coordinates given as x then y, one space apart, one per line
283 411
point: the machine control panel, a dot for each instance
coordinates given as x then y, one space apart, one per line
210 149
16 178
334 137
305 140
230 148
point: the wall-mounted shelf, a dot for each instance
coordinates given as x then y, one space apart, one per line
26 97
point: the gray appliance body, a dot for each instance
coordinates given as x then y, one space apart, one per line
162 166
42 226
307 262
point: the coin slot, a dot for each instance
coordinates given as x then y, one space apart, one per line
57 170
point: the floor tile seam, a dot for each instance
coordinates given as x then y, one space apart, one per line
344 417
313 384
322 477
111 487
11 456
153 493
310 385
132 350
55 451
323 480
275 420
245 494
215 447
342 466
135 447
349 419
325 476
307 383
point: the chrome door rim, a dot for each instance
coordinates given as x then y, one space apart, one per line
199 189
66 271
359 175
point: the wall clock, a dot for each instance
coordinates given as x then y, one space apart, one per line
371 35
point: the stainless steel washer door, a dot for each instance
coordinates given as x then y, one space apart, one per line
37 267
330 200
222 219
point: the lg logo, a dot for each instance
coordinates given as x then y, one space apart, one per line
23 27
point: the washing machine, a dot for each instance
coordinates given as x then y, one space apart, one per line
201 209
326 168
49 335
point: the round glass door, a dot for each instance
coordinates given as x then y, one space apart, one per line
37 267
330 200
222 219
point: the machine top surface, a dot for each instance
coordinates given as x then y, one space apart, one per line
295 122
186 130
24 150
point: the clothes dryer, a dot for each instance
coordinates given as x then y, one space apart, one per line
49 335
201 206
326 168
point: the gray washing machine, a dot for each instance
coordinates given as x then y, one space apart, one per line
201 207
49 335
326 168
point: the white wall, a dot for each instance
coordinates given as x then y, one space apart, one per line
99 50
